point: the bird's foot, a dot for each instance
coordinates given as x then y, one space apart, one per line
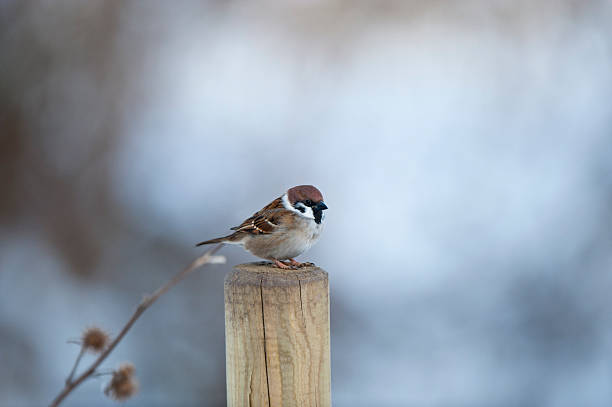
282 265
295 263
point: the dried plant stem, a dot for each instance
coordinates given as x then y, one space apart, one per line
76 364
144 304
98 374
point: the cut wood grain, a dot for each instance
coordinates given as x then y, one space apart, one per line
277 336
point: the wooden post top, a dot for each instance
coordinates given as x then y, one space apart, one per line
267 274
277 336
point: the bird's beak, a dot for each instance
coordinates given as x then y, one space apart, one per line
321 206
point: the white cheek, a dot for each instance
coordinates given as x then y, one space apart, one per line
307 211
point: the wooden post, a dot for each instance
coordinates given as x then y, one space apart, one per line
277 336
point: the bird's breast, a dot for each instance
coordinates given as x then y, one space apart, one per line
291 242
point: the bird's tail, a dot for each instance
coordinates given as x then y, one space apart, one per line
233 238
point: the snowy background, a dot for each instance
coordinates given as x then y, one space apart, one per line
464 150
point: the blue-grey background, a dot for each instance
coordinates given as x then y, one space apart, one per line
464 149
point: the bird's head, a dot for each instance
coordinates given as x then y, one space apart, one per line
308 200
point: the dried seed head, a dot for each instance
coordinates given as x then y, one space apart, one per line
95 340
127 369
122 385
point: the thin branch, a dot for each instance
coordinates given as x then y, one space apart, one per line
142 307
98 374
76 364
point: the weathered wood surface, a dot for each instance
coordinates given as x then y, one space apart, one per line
277 336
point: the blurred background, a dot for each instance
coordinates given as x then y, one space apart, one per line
464 150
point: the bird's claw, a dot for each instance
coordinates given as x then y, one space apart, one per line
283 265
297 264
291 265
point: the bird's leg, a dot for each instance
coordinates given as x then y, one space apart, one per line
295 263
281 265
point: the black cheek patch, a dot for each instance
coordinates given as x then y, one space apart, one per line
301 209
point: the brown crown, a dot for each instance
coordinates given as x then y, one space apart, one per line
303 192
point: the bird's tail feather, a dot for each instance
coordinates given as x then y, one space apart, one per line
233 238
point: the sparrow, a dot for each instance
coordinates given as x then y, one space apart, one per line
283 229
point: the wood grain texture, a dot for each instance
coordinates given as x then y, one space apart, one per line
277 336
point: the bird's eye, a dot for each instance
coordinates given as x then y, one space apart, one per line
308 202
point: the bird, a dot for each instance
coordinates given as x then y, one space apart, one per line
282 230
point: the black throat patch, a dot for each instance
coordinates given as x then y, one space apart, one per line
318 215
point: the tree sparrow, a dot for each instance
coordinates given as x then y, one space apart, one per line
283 229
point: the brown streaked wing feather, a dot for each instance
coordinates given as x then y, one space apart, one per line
263 221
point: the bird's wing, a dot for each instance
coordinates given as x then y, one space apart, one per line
264 221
